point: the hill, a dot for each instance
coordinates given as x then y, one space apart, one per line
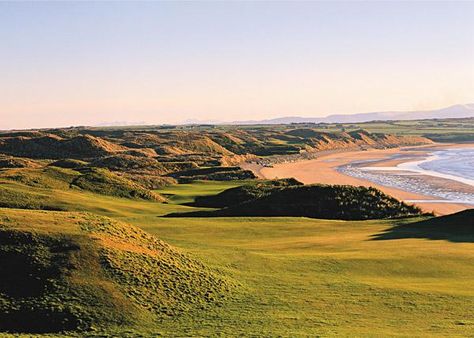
319 141
293 199
76 271
16 162
458 227
98 180
242 194
207 146
455 111
52 146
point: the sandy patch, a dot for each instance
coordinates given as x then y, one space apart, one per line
323 170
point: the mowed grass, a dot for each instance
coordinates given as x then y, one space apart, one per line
185 193
304 277
311 277
316 277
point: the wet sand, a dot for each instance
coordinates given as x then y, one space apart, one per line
324 170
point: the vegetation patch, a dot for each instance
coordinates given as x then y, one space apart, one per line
52 146
73 271
315 201
213 174
103 181
244 193
54 283
12 196
14 185
48 177
16 162
458 227
70 163
127 163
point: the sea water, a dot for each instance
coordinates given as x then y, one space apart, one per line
458 163
455 164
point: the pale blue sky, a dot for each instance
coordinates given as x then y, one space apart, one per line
73 63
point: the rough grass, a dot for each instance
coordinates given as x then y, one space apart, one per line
16 162
72 271
128 163
69 163
316 201
50 146
244 193
21 196
102 181
48 177
97 180
213 174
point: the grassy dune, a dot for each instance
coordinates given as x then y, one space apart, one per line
69 271
288 198
299 276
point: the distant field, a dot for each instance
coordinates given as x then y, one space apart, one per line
443 130
447 130
306 277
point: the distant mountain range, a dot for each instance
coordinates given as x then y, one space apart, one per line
456 111
120 124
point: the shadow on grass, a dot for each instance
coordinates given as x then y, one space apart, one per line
458 227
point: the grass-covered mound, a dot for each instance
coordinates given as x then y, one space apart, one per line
52 146
49 177
316 201
97 180
150 182
23 197
127 163
69 163
17 162
73 271
213 174
242 194
458 227
105 182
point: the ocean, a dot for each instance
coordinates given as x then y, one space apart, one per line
458 163
455 164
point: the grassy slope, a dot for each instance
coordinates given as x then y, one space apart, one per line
308 277
69 270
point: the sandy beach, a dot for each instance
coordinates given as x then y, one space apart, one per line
324 170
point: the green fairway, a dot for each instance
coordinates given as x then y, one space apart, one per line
185 193
303 277
310 277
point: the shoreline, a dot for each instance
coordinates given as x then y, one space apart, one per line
324 170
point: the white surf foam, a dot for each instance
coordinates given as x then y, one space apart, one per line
415 167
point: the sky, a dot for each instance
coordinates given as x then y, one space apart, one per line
87 63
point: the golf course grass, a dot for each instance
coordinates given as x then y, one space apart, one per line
299 277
